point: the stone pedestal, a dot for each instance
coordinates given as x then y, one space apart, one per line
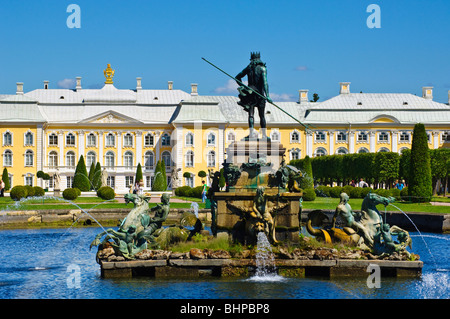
257 162
286 220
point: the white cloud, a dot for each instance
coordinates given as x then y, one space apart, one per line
229 87
283 97
302 68
66 84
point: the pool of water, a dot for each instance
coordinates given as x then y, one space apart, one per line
57 263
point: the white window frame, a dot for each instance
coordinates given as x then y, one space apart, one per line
91 140
8 143
292 139
27 155
151 138
128 140
8 158
25 135
74 140
211 139
189 139
108 139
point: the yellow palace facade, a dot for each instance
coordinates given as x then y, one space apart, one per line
49 129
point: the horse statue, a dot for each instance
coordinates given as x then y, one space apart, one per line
365 229
137 228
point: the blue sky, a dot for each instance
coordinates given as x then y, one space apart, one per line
306 44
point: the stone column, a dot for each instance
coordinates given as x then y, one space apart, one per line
119 148
80 144
61 148
394 136
309 143
139 146
331 141
435 139
372 140
100 148
39 140
351 142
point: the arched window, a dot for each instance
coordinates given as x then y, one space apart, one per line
7 158
7 139
383 137
53 159
189 159
320 151
165 140
91 157
128 140
110 140
91 140
231 137
189 139
320 136
400 151
149 139
362 137
128 159
341 137
53 139
29 158
29 140
167 159
275 136
70 139
383 149
341 151
211 139
110 159
294 154
362 150
70 159
149 160
295 137
211 159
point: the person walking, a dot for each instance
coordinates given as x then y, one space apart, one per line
204 189
2 188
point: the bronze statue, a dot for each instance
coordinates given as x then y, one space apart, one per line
256 73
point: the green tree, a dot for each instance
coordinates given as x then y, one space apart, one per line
163 171
420 183
159 183
91 174
405 163
97 178
438 162
202 174
5 179
387 167
81 178
139 175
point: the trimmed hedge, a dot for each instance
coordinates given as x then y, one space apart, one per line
18 192
309 194
187 191
70 193
38 191
106 193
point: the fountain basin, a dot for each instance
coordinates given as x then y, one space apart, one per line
232 267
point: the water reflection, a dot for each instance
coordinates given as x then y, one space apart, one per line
33 264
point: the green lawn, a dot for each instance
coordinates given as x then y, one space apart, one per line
331 203
7 203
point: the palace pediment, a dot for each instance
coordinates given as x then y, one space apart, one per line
110 117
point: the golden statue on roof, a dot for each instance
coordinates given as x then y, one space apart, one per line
109 74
